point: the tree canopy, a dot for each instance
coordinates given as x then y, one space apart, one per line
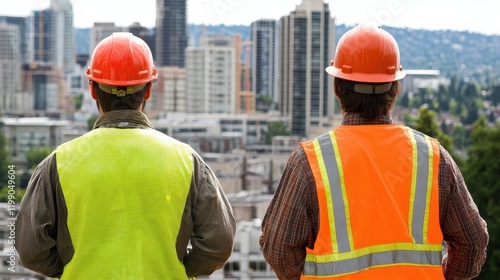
483 180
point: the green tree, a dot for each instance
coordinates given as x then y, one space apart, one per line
36 155
495 95
427 97
4 194
443 98
458 134
275 128
453 107
427 124
471 103
5 162
481 174
403 100
462 111
408 119
264 103
416 101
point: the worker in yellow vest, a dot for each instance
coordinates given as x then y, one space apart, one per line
372 199
124 201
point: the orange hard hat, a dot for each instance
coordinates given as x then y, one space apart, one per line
122 59
367 54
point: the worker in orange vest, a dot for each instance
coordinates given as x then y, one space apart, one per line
372 199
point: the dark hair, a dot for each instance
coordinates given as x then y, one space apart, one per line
109 102
368 106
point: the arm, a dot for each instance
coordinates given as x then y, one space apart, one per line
291 221
36 223
214 224
464 230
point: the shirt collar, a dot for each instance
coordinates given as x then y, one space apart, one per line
356 119
123 119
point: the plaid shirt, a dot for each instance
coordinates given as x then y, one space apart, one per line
292 220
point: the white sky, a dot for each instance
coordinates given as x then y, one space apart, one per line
475 16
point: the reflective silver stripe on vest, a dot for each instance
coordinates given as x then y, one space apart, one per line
420 199
390 257
371 260
332 170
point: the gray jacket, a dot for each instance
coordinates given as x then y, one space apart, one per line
43 240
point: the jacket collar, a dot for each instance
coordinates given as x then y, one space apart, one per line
123 119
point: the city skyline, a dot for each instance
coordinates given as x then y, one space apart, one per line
426 14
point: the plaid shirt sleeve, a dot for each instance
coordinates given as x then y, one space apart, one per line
291 222
464 231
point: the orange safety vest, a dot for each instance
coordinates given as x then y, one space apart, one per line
377 189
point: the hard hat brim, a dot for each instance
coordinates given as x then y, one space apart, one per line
365 77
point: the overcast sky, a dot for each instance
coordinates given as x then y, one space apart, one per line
476 16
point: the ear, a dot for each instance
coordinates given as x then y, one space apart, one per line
92 91
148 92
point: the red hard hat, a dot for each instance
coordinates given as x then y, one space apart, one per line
122 59
367 54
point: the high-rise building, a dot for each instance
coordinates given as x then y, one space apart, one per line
43 43
171 33
54 59
211 76
54 36
10 67
265 58
306 48
65 54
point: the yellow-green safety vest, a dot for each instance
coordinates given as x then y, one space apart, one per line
125 191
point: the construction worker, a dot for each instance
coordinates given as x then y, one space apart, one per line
124 201
371 199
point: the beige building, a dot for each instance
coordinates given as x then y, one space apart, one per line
211 82
170 96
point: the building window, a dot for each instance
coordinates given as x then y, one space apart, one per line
258 266
231 266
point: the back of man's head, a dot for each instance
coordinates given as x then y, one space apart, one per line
366 68
121 71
